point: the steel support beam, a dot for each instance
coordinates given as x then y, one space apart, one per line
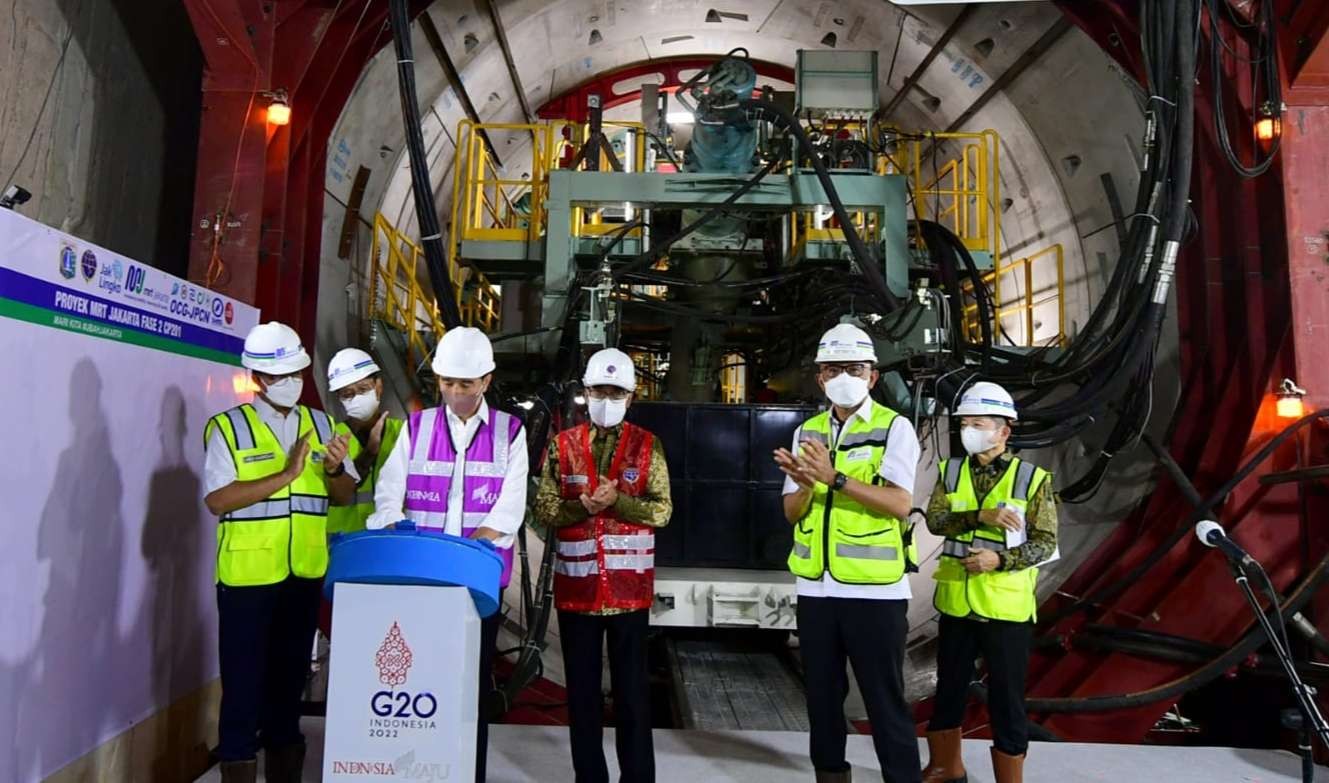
502 34
937 48
454 78
1017 69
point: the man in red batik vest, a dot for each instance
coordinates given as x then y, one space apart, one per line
605 490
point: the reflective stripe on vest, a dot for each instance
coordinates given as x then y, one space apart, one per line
604 562
995 595
856 545
284 534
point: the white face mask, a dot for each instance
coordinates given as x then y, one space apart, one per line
362 406
285 392
847 391
977 441
607 413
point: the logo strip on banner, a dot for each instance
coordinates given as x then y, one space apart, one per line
27 298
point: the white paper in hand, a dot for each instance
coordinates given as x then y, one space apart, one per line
1015 538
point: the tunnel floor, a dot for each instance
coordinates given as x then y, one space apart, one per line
540 753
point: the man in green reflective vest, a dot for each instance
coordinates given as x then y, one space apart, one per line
270 470
848 492
998 516
356 381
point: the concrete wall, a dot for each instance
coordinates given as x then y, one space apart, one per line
99 108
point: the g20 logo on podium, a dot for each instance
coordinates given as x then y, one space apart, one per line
395 709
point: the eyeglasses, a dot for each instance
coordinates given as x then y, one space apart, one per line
853 370
348 393
612 393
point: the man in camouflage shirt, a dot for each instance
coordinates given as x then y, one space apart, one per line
998 516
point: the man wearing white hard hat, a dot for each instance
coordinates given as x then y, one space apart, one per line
848 492
484 495
271 468
605 490
998 515
355 380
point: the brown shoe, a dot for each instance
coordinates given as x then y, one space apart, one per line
284 765
239 771
945 764
1008 769
835 777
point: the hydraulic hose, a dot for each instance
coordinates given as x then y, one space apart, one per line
426 211
1207 505
1201 676
867 261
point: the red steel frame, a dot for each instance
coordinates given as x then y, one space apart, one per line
1250 311
674 72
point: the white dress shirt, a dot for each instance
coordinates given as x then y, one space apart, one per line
509 510
899 464
218 464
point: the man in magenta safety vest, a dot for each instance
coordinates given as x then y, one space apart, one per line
461 468
605 489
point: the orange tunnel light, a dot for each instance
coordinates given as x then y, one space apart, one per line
279 113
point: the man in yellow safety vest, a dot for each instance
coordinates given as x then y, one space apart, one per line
271 467
356 381
998 516
849 489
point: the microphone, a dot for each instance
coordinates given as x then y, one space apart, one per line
1211 534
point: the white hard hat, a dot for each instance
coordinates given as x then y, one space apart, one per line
986 399
274 348
846 343
611 367
348 366
464 353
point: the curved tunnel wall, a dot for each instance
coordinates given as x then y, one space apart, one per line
1069 128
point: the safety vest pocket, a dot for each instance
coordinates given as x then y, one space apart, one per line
875 556
251 559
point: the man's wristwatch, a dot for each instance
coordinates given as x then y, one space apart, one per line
839 482
341 468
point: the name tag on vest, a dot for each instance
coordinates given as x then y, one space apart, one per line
259 458
576 480
858 455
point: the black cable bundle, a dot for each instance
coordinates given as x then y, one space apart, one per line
1108 368
426 211
1265 82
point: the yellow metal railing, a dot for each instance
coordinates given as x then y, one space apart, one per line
486 206
649 375
734 379
396 296
1023 300
962 193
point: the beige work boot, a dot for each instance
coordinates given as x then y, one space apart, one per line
1008 769
945 764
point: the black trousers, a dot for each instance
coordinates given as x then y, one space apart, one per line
582 637
266 636
488 644
869 634
1005 648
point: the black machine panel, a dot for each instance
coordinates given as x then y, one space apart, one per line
726 488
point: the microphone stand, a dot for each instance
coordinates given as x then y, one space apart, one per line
1311 717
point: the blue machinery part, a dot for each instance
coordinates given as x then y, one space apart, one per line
416 557
724 147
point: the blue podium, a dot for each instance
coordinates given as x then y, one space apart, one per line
406 609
